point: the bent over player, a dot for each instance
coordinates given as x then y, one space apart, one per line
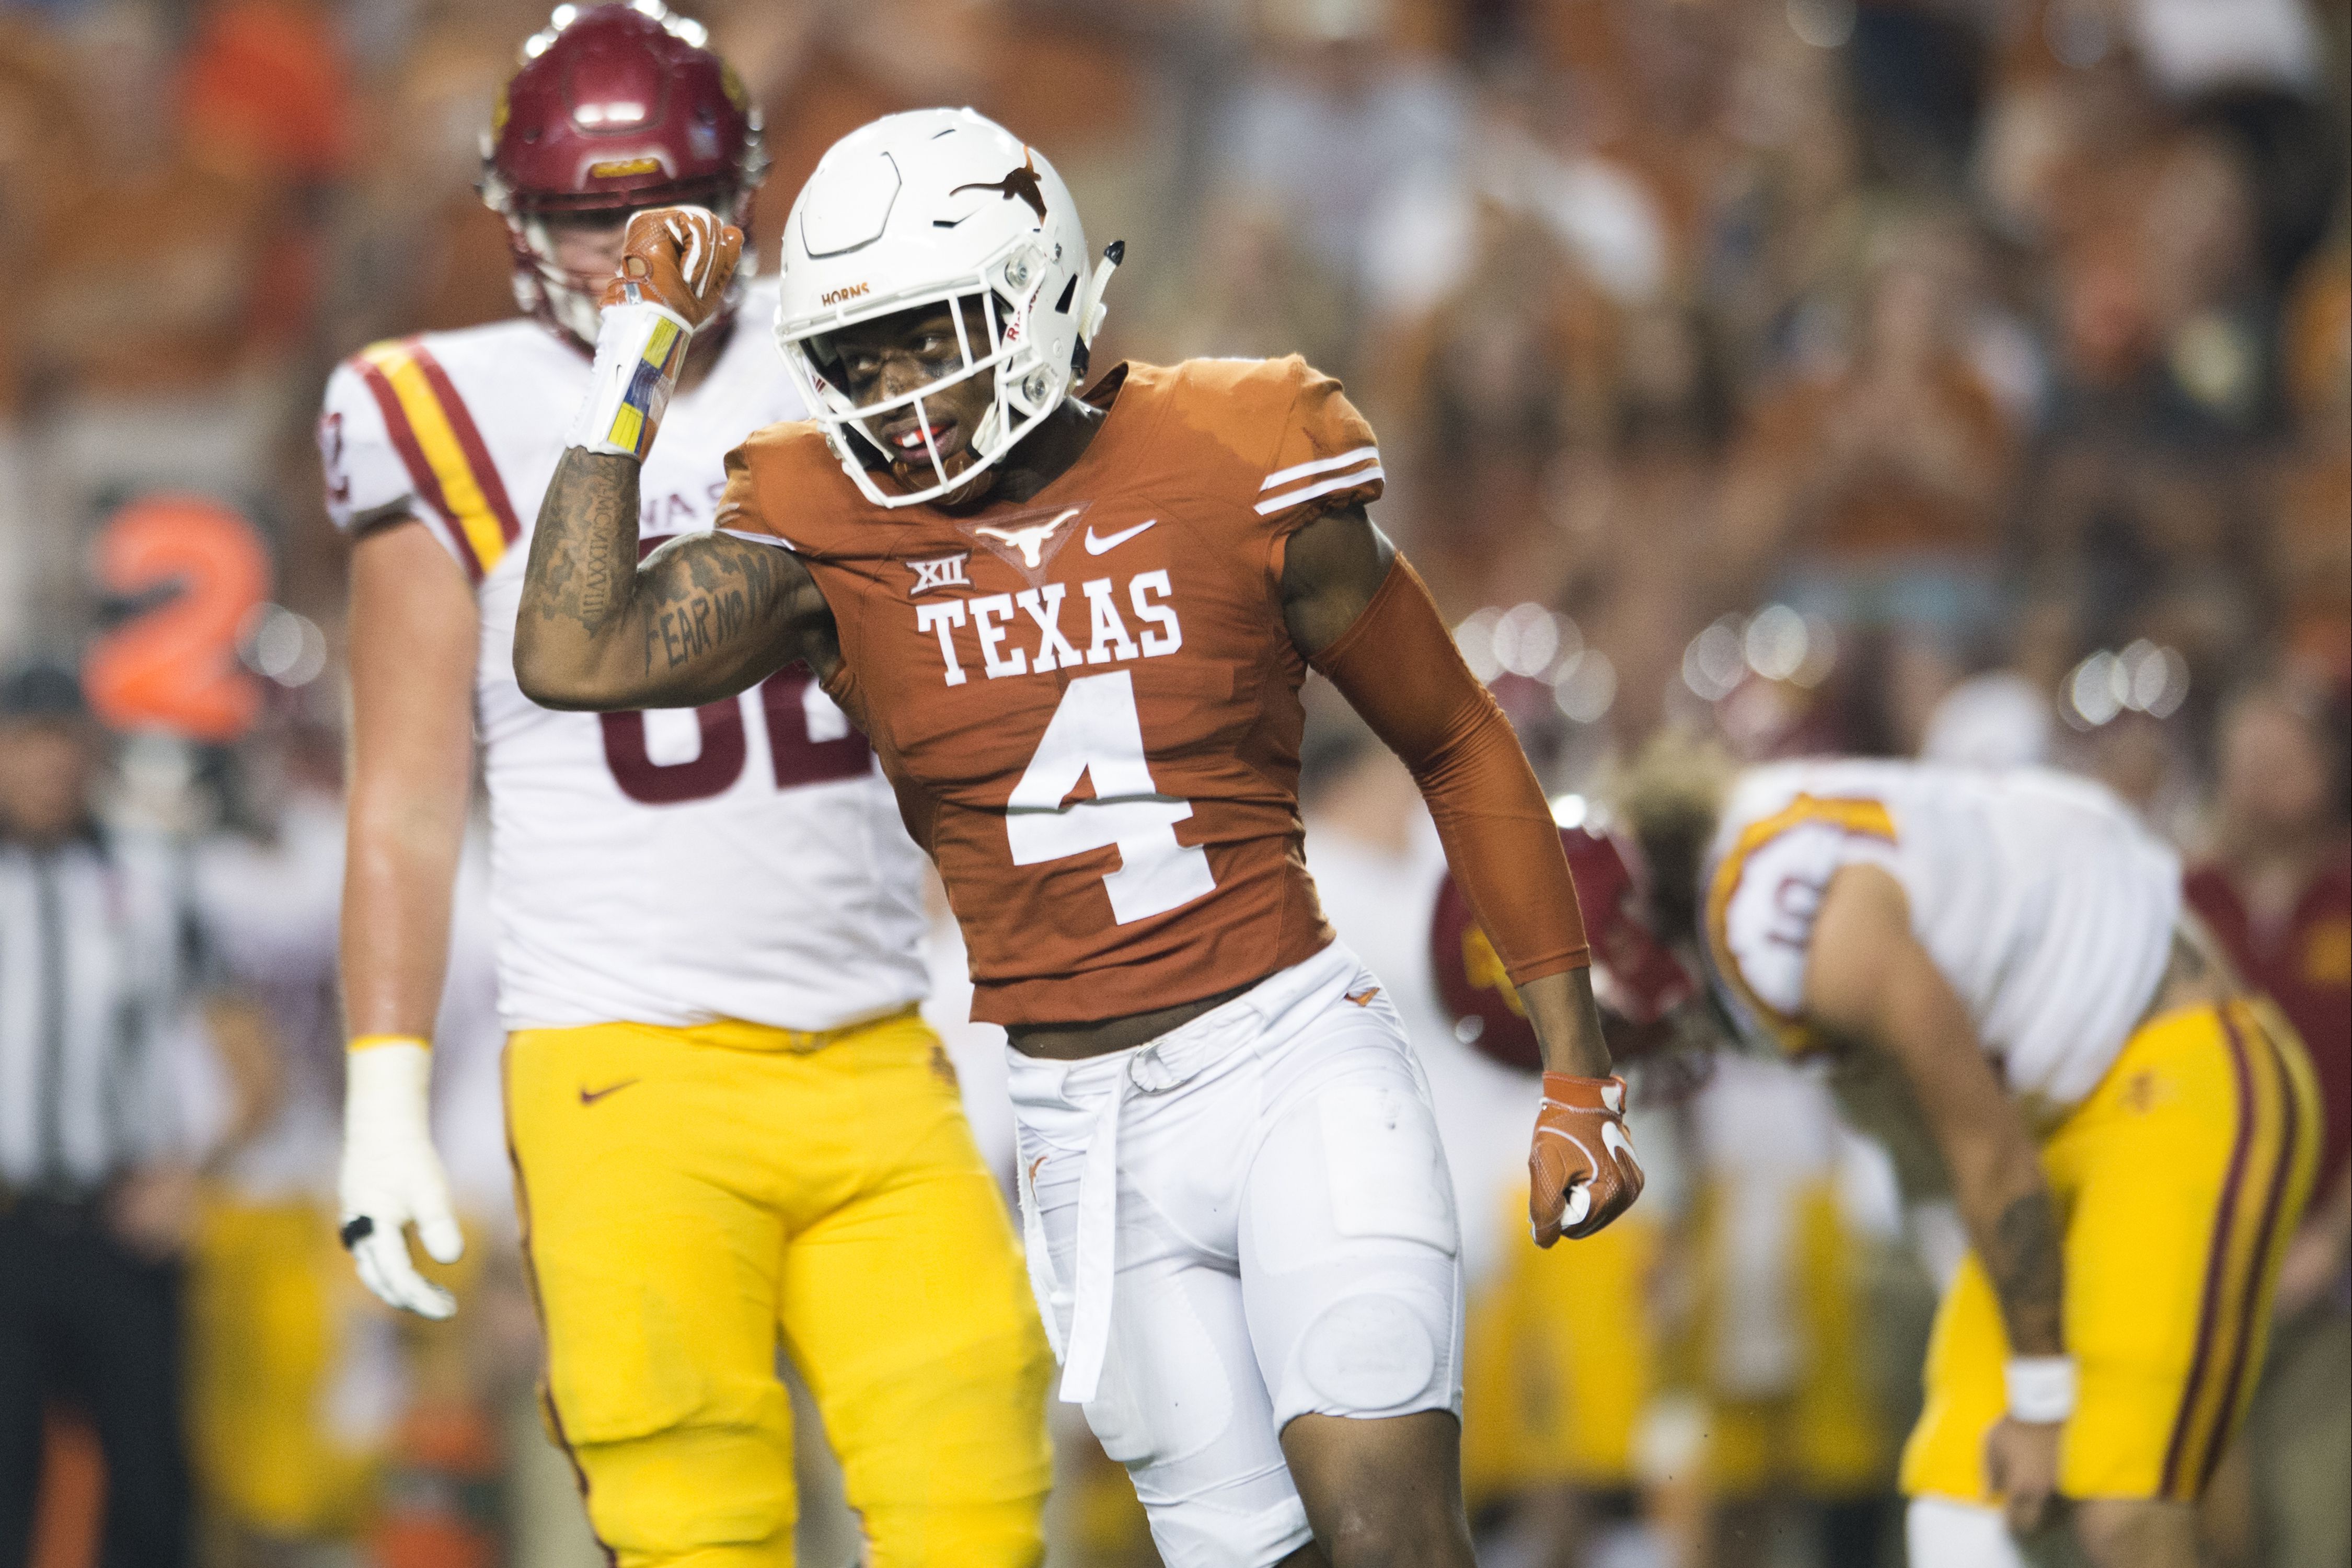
1998 965
1076 629
728 1124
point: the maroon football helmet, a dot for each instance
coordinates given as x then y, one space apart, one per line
1636 978
617 107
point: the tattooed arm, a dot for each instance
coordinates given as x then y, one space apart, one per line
1868 980
703 618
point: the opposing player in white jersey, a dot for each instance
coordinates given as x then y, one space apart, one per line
1998 965
731 1128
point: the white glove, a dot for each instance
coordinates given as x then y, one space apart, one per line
392 1178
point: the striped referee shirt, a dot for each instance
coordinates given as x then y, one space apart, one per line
96 948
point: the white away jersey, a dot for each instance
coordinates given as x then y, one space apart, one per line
743 859
2044 903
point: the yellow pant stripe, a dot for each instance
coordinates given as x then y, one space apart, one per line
2272 1127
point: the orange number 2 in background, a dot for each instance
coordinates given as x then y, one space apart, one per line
175 666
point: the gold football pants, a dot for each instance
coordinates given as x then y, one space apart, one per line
2179 1182
1558 1361
692 1197
1822 1438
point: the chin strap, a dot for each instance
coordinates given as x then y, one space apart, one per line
1091 308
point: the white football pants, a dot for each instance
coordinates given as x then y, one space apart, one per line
1245 1220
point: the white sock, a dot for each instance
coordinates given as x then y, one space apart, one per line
1942 1533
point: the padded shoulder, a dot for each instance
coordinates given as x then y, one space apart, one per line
403 423
1260 387
1301 447
785 483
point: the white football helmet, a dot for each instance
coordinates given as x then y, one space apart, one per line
926 208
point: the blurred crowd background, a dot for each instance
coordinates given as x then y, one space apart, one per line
1960 378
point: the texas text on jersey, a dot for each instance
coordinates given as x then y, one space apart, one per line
1115 640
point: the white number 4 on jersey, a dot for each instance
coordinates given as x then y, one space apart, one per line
1096 730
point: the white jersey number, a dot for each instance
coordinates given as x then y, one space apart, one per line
1096 730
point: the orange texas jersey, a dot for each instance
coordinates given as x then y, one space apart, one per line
1088 703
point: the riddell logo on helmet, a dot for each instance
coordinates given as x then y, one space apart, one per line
835 296
621 168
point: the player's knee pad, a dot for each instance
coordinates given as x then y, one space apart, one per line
1942 1533
700 1491
1372 1352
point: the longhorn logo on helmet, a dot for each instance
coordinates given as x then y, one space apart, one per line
1022 182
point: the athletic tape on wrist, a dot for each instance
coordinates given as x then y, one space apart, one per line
387 1091
370 1042
2040 1388
639 349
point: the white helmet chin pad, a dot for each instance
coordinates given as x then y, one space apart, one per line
922 210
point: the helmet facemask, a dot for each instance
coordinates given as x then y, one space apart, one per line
1000 299
917 212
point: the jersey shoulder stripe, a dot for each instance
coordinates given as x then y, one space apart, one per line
1355 476
1856 816
1321 465
443 450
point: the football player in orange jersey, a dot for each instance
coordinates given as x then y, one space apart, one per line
1074 628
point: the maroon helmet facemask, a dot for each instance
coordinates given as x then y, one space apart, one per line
617 107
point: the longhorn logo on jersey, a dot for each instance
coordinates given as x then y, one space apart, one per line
1028 541
1031 540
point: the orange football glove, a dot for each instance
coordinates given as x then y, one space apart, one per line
681 259
1581 1172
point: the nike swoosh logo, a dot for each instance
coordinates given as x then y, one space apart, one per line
1364 998
590 1096
1096 546
1577 1208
